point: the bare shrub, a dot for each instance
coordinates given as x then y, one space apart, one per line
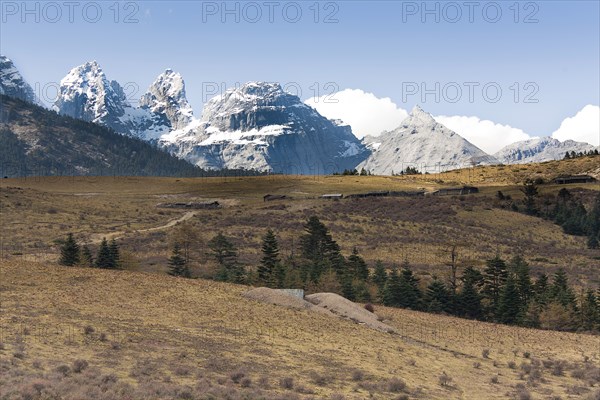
79 365
319 379
182 370
246 382
445 380
237 376
63 369
369 307
512 364
88 330
358 375
264 382
495 379
287 383
395 385
485 353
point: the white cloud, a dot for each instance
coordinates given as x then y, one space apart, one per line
369 115
485 134
583 127
364 112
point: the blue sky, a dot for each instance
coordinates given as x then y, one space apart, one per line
549 49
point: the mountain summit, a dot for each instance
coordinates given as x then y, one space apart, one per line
260 126
12 83
540 150
422 143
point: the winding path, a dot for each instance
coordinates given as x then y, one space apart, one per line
97 237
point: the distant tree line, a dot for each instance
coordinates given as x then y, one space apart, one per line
572 154
363 172
565 210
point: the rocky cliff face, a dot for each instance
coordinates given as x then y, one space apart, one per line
259 126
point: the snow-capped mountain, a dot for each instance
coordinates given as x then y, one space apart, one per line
260 126
539 150
166 98
86 93
422 143
12 82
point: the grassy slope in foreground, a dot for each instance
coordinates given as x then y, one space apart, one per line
184 329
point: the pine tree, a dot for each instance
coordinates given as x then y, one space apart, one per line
269 261
357 266
114 254
87 260
590 311
319 250
437 297
177 263
103 258
531 193
391 290
494 277
410 295
69 252
379 277
541 289
560 290
567 156
520 269
469 301
509 307
225 254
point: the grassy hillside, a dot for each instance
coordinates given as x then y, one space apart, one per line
150 336
37 211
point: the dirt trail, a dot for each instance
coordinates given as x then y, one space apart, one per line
97 237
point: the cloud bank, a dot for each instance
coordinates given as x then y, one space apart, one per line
369 115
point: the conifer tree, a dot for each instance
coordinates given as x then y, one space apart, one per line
590 311
391 290
531 193
69 252
437 297
269 261
410 295
469 301
510 305
177 263
379 277
494 277
103 258
520 269
225 254
114 254
357 266
87 259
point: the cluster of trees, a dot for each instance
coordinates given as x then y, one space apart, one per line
567 211
363 172
502 292
573 154
72 254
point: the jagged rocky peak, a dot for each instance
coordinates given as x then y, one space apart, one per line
86 93
166 96
252 105
12 83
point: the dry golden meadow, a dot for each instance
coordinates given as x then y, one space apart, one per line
84 333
